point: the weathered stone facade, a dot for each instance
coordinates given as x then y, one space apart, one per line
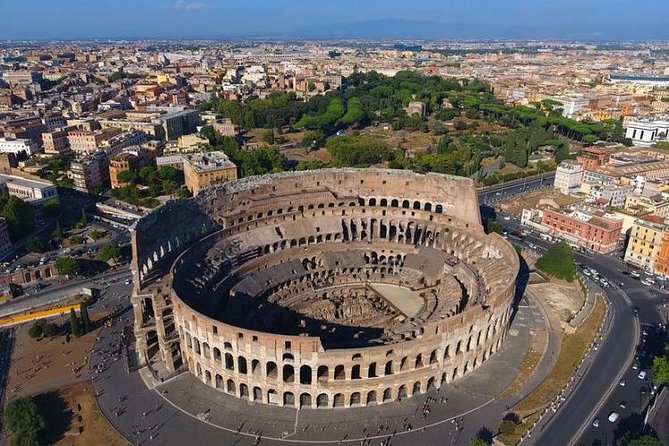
330 288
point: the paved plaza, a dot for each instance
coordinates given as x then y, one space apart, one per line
183 410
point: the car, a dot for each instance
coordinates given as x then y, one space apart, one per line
604 282
635 274
622 404
622 382
594 272
613 417
647 282
642 374
636 365
507 218
596 422
532 246
497 194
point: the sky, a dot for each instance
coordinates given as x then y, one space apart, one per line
541 19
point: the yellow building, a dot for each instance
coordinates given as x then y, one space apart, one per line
204 169
644 244
656 205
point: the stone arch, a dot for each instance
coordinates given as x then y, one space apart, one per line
387 395
433 357
206 350
257 394
416 388
288 399
371 202
322 400
388 370
383 202
371 370
241 365
288 373
339 372
428 207
230 386
338 400
271 370
402 392
255 367
355 372
229 362
272 397
243 391
305 374
430 383
218 381
416 205
371 397
354 400
394 203
419 361
305 400
207 377
323 373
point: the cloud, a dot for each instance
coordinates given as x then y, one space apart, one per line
189 6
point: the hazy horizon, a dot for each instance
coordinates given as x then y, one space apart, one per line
421 19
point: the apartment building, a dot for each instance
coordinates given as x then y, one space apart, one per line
86 142
204 169
17 146
568 177
644 244
593 230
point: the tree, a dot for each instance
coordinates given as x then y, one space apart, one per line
35 245
148 174
646 440
67 266
85 319
76 240
558 262
127 176
661 368
75 326
51 329
313 138
58 233
268 136
37 329
168 173
52 208
507 427
110 252
24 421
19 216
96 234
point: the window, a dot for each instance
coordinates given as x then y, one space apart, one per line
287 345
214 328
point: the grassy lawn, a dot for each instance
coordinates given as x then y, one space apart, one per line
572 349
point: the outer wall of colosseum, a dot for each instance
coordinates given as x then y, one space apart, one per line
299 239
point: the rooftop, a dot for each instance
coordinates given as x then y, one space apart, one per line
204 161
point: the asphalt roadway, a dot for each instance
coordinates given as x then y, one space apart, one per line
598 392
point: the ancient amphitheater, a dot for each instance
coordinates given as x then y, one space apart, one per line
322 289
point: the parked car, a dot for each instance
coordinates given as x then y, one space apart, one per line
596 422
635 274
642 374
613 417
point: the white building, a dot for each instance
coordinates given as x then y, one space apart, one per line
34 192
17 146
647 132
568 177
613 196
572 104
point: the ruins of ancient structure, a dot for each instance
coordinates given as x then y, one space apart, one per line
329 289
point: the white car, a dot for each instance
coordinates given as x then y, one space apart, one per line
635 274
613 417
507 218
647 282
587 272
642 374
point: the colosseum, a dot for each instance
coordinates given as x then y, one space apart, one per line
323 289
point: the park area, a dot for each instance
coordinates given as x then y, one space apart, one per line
51 375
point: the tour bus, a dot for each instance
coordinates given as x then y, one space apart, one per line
546 237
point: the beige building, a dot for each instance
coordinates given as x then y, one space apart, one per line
89 142
644 244
203 169
655 205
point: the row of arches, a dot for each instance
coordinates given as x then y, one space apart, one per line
305 374
359 397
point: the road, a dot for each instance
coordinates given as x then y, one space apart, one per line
515 187
54 294
598 392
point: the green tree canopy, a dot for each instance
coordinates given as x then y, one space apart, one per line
24 421
110 252
558 261
127 176
67 266
348 151
168 173
19 216
51 208
661 367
